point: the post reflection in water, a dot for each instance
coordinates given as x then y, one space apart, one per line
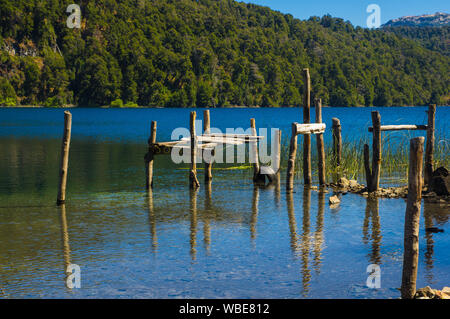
372 217
193 212
428 216
434 215
152 220
318 235
292 223
254 217
206 216
305 240
65 240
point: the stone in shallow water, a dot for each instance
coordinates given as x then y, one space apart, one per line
334 200
440 181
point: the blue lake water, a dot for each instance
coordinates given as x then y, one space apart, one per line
230 240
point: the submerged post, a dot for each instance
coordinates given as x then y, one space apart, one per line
412 219
291 160
430 144
207 130
306 120
257 176
64 158
376 152
337 141
320 144
193 181
149 156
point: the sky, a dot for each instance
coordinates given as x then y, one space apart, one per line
355 10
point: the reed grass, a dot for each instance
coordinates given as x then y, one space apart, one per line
395 157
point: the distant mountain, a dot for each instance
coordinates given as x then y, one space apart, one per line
425 20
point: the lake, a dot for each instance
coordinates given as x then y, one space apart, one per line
230 240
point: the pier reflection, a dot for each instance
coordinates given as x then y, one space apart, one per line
65 240
254 217
372 224
292 224
318 234
305 240
152 221
193 228
206 215
435 216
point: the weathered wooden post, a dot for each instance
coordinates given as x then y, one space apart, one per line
291 160
64 158
376 152
337 141
193 181
277 160
149 156
412 219
258 178
307 137
320 144
207 130
430 144
367 166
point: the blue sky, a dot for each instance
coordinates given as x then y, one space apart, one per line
355 10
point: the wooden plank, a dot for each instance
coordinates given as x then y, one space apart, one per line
216 140
314 128
412 219
231 135
400 127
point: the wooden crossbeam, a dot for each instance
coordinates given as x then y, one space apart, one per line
311 128
400 127
231 135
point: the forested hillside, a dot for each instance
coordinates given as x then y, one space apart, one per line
205 53
433 38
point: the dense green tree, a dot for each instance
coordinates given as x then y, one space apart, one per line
212 53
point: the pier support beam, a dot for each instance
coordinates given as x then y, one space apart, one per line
376 152
412 219
291 160
258 178
193 181
149 156
64 158
337 141
320 144
306 120
430 144
207 130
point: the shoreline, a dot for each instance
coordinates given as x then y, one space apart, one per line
195 107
